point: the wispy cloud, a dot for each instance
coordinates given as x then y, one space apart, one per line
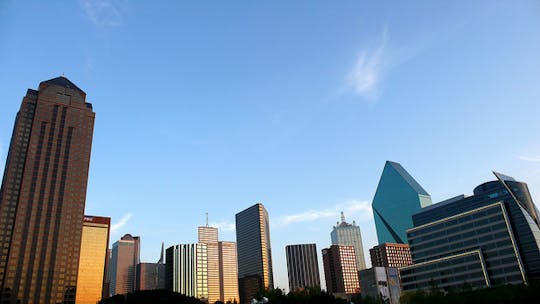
223 225
530 158
371 65
103 13
121 223
361 209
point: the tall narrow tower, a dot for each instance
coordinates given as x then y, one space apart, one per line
254 252
43 194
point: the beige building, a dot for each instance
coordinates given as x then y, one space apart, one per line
94 243
222 266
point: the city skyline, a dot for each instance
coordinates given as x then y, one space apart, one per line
212 108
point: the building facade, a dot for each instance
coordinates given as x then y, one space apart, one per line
228 269
43 194
381 283
209 236
340 270
186 270
490 238
254 252
397 198
302 266
349 234
150 276
390 255
91 278
124 260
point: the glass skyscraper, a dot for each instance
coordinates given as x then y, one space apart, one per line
254 252
124 260
397 198
186 270
349 234
302 266
43 195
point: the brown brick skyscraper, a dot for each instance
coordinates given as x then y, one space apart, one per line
43 194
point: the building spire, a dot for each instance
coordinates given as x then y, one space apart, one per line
206 219
161 255
342 218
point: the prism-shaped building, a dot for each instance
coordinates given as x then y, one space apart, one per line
397 198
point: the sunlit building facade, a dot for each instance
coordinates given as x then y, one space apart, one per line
43 194
390 255
340 270
94 243
254 252
209 236
186 270
228 269
349 234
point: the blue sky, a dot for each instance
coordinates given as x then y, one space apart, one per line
212 106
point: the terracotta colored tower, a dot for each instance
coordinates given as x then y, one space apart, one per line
43 194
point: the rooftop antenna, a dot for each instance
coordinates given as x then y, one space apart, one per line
342 217
206 219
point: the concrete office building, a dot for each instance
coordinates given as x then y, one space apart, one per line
397 198
302 266
186 270
340 270
490 238
254 252
349 234
43 194
381 283
390 255
91 278
124 259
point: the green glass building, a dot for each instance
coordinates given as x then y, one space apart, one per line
397 198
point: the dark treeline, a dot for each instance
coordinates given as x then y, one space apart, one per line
507 294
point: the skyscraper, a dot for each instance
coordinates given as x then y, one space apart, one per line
125 257
209 236
43 194
397 198
228 269
340 270
94 243
186 270
254 251
349 234
302 266
489 238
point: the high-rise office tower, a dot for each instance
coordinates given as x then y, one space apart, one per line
43 194
302 266
94 243
209 236
340 270
186 270
390 255
489 238
349 234
125 257
254 252
222 266
397 198
151 276
228 270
